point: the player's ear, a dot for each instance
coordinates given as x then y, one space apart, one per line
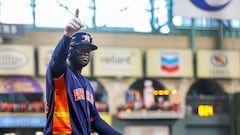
70 52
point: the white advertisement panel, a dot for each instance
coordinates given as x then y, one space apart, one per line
17 60
169 62
117 62
219 9
146 130
218 64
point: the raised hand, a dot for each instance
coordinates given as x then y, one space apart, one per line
73 25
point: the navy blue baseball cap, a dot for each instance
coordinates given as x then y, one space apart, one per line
83 39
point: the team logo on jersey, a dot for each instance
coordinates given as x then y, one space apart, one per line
79 95
211 5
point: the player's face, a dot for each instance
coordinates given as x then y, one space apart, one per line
80 58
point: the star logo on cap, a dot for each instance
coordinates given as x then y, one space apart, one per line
86 38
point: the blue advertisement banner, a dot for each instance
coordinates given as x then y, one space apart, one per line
12 30
22 121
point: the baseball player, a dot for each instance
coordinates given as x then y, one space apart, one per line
70 101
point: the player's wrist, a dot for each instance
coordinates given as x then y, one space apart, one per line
67 34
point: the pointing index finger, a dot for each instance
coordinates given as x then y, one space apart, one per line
76 12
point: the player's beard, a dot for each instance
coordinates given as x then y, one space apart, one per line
78 62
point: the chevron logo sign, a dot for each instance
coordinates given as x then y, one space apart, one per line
170 62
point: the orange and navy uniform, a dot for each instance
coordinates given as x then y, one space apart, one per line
70 104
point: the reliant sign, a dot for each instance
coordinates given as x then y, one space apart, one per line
117 62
